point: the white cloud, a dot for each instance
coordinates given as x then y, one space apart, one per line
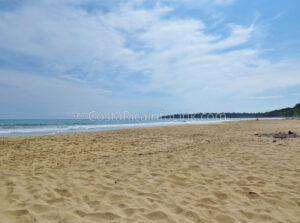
278 16
267 97
63 37
176 57
201 3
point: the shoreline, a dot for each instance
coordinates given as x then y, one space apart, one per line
183 173
70 129
119 129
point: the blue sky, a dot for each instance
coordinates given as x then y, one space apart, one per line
61 57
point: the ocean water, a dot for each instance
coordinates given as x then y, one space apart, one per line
30 127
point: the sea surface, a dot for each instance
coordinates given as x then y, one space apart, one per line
30 127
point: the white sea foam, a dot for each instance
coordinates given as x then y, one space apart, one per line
74 128
60 129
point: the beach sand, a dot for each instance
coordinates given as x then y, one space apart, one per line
219 173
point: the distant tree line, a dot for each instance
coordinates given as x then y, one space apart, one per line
285 112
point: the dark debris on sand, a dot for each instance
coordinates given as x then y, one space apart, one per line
290 134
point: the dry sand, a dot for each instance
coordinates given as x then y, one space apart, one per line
218 173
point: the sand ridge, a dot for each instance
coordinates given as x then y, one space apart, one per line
219 173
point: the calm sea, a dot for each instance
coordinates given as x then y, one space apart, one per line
26 127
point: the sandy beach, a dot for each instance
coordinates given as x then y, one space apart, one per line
219 173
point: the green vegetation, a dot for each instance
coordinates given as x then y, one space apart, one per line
285 112
296 110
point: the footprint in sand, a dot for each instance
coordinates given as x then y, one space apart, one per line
39 208
63 192
21 215
225 219
221 196
157 215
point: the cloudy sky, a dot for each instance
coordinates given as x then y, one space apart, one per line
61 57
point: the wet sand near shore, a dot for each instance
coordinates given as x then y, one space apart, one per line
220 173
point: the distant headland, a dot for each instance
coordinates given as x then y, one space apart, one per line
285 112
